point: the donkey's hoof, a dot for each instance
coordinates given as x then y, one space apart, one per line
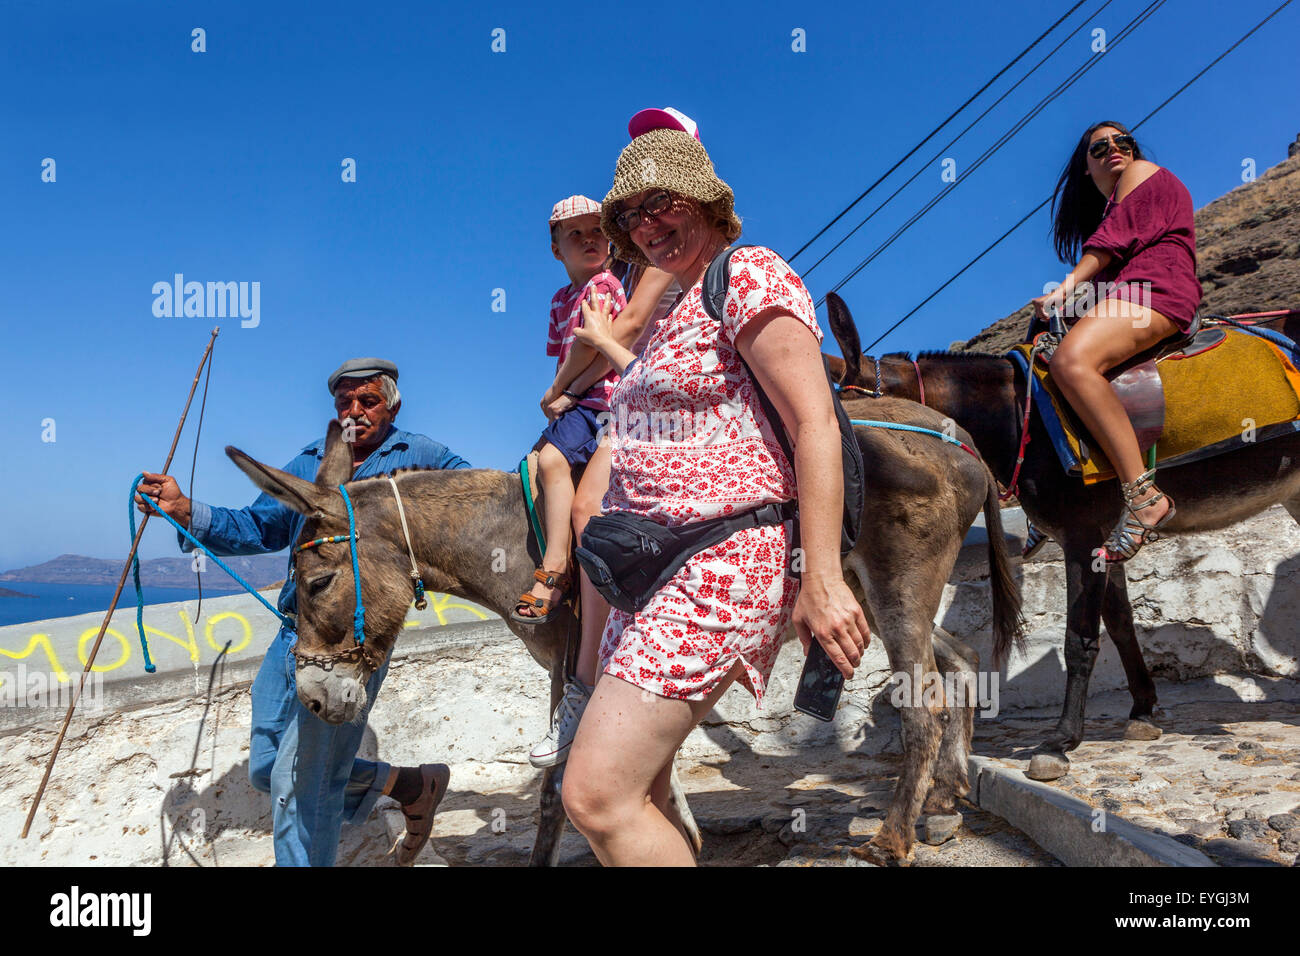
940 828
1142 730
1048 767
877 854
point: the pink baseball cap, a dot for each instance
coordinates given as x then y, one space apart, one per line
573 207
666 118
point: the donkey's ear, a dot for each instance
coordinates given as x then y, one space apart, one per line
298 493
336 465
845 331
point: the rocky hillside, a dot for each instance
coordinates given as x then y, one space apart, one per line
259 570
1248 253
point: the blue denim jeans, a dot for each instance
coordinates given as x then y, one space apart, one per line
310 768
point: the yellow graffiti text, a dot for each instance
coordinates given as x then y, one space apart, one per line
42 641
215 619
90 632
440 604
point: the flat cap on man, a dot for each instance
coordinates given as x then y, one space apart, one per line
362 368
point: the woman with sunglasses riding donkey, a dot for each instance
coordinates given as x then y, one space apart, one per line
721 616
1132 221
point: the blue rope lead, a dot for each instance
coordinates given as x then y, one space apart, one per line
896 426
149 667
139 594
359 615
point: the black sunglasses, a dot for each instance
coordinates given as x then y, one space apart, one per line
657 204
1123 142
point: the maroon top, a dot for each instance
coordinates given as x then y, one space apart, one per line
1152 237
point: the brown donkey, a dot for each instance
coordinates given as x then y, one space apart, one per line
922 495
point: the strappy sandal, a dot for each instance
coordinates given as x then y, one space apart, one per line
1132 532
419 815
1035 538
546 609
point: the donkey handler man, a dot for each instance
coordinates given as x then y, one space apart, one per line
309 767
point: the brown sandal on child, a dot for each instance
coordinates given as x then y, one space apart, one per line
546 609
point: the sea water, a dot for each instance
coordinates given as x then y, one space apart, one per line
66 600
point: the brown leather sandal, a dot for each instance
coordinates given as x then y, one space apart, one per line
545 608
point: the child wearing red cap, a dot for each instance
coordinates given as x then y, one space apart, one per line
576 402
573 435
652 294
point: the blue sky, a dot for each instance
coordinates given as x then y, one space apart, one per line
225 166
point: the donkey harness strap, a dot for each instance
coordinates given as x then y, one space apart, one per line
420 602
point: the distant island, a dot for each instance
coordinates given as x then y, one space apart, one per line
259 570
5 592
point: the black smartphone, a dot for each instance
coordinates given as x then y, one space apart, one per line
820 685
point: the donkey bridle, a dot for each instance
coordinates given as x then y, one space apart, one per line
357 652
880 385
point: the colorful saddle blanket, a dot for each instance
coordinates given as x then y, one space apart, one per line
1208 399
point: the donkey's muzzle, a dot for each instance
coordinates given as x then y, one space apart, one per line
334 696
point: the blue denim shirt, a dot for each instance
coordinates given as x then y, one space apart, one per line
267 525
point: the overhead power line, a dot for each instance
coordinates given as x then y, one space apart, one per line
929 163
991 246
935 131
1002 141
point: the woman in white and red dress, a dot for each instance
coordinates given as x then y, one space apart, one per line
691 442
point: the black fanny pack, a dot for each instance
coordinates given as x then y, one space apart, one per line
628 557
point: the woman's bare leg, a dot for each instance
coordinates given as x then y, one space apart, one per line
595 609
617 769
1108 334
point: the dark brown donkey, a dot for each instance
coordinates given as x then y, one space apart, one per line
468 525
985 395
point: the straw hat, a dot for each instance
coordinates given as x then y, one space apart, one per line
674 160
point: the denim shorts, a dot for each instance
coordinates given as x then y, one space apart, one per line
576 434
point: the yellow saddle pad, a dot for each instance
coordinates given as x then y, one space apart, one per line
1216 401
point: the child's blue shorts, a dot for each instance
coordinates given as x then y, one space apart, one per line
576 434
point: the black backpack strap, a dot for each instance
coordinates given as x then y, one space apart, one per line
717 279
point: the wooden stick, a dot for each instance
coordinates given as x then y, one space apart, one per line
108 615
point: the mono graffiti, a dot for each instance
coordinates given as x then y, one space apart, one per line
42 642
217 629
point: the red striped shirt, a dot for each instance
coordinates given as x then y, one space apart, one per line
566 315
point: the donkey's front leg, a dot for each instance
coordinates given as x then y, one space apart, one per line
550 826
677 805
1117 612
1085 589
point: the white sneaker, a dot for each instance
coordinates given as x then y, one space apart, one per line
554 750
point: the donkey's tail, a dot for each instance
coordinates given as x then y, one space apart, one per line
1008 623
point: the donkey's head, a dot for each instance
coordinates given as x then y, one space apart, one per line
332 669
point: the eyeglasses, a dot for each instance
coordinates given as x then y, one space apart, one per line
1123 142
655 205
